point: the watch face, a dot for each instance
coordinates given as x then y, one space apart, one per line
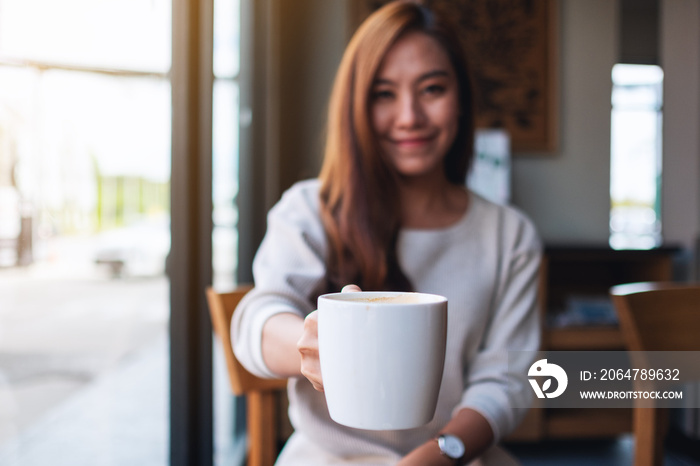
451 446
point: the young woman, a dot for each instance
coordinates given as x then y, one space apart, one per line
390 211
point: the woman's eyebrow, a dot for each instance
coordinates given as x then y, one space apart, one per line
433 74
423 77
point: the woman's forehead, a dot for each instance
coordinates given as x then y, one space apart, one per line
414 54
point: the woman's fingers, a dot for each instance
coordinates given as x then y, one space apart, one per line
308 348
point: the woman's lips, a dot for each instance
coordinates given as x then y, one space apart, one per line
412 142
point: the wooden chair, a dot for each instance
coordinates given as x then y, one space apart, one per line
261 394
656 316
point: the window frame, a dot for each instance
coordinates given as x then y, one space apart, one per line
191 270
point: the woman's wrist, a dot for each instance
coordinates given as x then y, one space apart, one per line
427 454
279 344
472 430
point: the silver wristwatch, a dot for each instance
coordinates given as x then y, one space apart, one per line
451 446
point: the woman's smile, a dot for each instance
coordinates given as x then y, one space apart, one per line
412 142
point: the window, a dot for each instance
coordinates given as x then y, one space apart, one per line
229 426
635 172
85 111
85 174
225 139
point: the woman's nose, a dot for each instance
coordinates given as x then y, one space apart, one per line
410 112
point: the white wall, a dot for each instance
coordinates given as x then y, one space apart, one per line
310 45
680 59
293 48
567 193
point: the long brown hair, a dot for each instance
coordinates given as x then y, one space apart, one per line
359 198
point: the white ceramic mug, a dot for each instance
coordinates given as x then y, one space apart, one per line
382 356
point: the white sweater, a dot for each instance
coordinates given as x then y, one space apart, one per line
486 265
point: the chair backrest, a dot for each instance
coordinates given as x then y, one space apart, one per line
659 316
221 307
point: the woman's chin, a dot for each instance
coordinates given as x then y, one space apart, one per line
420 173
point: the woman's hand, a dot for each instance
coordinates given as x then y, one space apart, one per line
466 424
308 349
427 454
308 346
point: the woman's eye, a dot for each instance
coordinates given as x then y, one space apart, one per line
382 94
434 89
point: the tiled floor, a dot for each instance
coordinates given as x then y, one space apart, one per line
83 367
57 335
119 419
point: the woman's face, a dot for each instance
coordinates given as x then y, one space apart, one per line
414 105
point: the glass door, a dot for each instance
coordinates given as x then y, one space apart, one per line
229 428
85 118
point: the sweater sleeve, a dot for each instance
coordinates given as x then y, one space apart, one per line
288 270
496 380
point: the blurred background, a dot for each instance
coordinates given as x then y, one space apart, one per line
85 168
90 91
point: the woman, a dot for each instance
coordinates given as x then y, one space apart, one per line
390 211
